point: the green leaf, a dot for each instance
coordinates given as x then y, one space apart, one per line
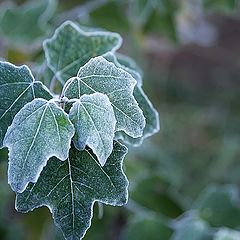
111 57
94 121
28 22
226 234
151 115
70 188
99 75
70 48
39 131
17 87
219 206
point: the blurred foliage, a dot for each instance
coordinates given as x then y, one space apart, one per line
184 182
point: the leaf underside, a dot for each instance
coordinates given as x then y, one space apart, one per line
17 88
94 122
99 75
39 131
70 188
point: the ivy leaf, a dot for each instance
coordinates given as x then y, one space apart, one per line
150 113
17 87
70 188
99 75
70 48
94 121
39 131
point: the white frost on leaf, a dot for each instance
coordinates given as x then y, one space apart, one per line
70 189
99 75
17 88
39 131
150 113
94 121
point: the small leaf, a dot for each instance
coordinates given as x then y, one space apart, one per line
17 87
94 121
99 75
70 48
39 131
70 188
151 115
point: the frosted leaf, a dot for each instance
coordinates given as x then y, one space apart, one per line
152 119
94 121
111 57
70 189
39 131
99 75
70 48
17 87
151 115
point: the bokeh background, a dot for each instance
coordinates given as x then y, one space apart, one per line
184 181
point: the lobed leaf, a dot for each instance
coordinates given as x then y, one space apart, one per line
94 121
150 113
17 87
39 131
70 48
99 75
70 188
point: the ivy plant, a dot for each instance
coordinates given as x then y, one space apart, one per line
66 147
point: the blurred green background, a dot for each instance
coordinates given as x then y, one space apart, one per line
184 181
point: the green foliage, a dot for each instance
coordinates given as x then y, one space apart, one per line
70 188
17 88
96 102
65 61
39 131
195 87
